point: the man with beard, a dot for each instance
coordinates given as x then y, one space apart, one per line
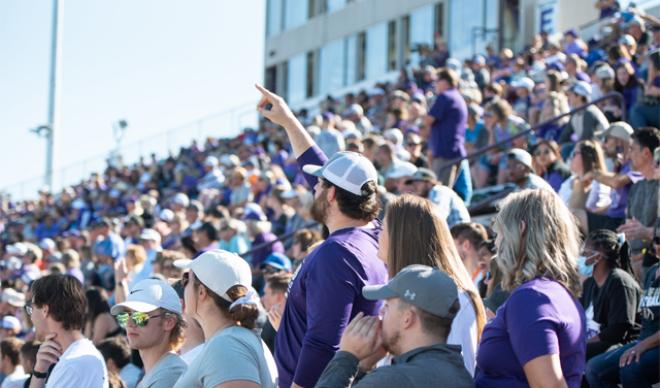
451 207
325 293
420 305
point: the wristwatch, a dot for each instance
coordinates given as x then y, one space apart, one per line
39 375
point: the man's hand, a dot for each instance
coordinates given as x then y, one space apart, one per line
632 354
279 112
49 353
121 270
362 336
275 316
634 230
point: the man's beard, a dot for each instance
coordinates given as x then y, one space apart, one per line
391 343
319 210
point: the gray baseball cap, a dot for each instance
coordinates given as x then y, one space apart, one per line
424 287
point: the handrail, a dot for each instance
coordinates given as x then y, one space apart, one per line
282 238
483 150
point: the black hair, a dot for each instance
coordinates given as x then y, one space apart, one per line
616 253
210 230
97 303
647 137
359 207
117 350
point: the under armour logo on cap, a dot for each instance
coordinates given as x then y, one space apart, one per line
409 295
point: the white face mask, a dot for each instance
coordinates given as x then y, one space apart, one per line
585 269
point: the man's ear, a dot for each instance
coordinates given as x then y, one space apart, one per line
331 194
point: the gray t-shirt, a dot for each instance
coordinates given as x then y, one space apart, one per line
165 373
234 353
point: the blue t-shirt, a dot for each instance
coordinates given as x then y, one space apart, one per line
448 130
325 294
540 317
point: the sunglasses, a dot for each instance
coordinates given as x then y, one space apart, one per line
28 308
139 319
185 279
412 144
542 152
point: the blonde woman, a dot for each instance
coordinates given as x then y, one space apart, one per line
413 233
537 337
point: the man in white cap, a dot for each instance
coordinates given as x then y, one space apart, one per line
521 171
213 178
325 294
11 301
10 327
179 202
152 318
523 101
585 124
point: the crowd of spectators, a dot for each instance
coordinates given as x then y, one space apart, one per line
160 273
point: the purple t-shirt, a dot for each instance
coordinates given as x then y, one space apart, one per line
448 130
619 197
260 255
325 294
540 317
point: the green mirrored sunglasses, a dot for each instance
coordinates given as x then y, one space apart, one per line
140 319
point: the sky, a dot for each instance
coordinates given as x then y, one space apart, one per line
161 65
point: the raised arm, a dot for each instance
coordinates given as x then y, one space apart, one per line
280 114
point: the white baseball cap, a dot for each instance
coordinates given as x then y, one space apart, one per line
581 88
181 199
166 215
219 270
17 249
11 322
346 169
150 234
13 297
47 244
402 169
149 295
524 82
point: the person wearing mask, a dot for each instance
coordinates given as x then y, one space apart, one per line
610 293
549 164
414 234
521 171
66 358
151 316
444 127
325 294
421 303
10 366
117 355
537 337
423 183
635 364
218 295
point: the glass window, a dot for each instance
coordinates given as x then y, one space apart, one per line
350 53
274 18
335 5
421 30
405 40
376 51
361 56
312 78
391 46
331 73
296 79
295 13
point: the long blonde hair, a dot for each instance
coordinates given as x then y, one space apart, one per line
417 235
539 237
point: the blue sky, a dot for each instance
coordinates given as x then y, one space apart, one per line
157 64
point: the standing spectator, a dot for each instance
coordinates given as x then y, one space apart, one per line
345 201
431 244
218 295
445 125
610 293
152 318
549 164
537 337
66 358
15 377
421 303
449 205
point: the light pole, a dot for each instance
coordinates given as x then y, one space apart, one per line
118 132
48 131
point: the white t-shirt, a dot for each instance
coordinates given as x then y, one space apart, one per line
81 365
464 331
16 379
235 353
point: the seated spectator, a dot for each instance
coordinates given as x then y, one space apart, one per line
585 124
152 318
303 242
280 213
10 326
476 136
610 293
217 294
537 337
421 303
642 211
549 164
164 264
636 363
521 171
414 147
450 206
617 147
117 355
10 366
555 103
274 263
205 237
232 237
645 112
330 140
264 241
468 237
71 261
431 244
273 300
99 323
28 358
628 85
604 83
523 89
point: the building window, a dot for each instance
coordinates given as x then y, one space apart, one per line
296 79
334 5
332 67
376 51
421 30
361 56
311 89
405 40
270 79
274 17
351 62
439 16
391 46
295 13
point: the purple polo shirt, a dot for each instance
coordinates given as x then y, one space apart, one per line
540 317
325 294
620 196
448 130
